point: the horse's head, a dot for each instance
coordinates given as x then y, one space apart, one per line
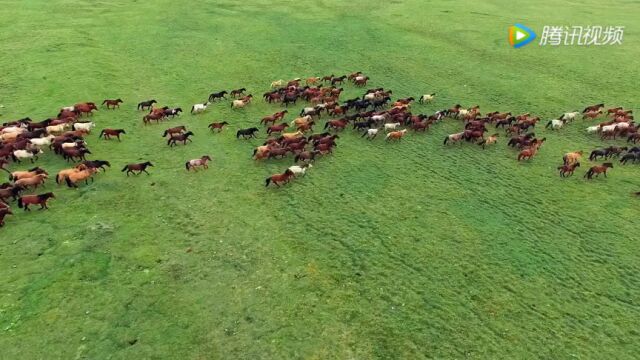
147 163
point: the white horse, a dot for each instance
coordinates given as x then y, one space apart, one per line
608 128
68 108
556 124
426 98
300 170
622 125
391 126
41 142
370 134
199 108
380 118
75 144
19 155
277 83
13 129
56 129
569 116
84 126
593 129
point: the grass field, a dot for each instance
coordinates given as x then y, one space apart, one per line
409 250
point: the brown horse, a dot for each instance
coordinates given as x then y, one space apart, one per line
153 116
140 168
567 170
277 128
572 157
113 103
395 135
85 108
17 175
592 114
218 125
12 191
488 141
278 179
174 130
195 163
531 151
108 133
273 118
3 213
597 107
339 124
26 200
237 92
597 170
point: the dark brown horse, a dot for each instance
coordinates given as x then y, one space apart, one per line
237 92
140 168
174 130
146 104
3 213
26 200
278 179
153 116
277 128
113 103
567 170
179 137
85 108
273 118
108 133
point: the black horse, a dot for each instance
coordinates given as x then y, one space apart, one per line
238 92
250 132
146 104
630 156
179 137
140 168
217 95
598 152
289 98
172 112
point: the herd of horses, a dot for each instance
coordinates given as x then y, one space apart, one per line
371 114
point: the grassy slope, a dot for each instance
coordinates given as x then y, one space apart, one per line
406 250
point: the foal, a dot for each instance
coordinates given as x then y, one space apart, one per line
195 163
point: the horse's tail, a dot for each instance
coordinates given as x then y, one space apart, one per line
587 174
255 151
69 183
7 171
267 182
482 143
548 124
124 168
186 165
103 102
364 134
57 178
232 104
295 159
192 108
20 204
326 125
238 134
165 133
101 134
446 139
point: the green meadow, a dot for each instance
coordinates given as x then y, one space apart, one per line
409 250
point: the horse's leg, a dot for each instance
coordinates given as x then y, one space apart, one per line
145 171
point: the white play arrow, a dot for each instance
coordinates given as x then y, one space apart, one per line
520 35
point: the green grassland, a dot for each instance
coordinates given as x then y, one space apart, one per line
406 250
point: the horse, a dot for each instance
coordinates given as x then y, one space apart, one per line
217 95
336 124
597 170
395 135
62 174
278 179
615 151
174 130
273 118
17 175
556 124
293 135
172 112
592 114
199 108
140 168
338 79
108 133
572 157
237 92
19 155
488 141
114 103
11 191
238 104
277 84
312 80
427 98
85 108
3 213
630 156
298 170
146 104
195 163
596 107
391 126
217 125
184 137
569 116
453 138
42 142
247 133
96 164
306 156
567 170
72 179
277 128
3 164
73 153
26 200
361 81
598 152
33 181
370 134
530 152
153 116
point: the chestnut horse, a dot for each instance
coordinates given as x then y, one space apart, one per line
278 179
218 125
174 130
567 170
26 200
